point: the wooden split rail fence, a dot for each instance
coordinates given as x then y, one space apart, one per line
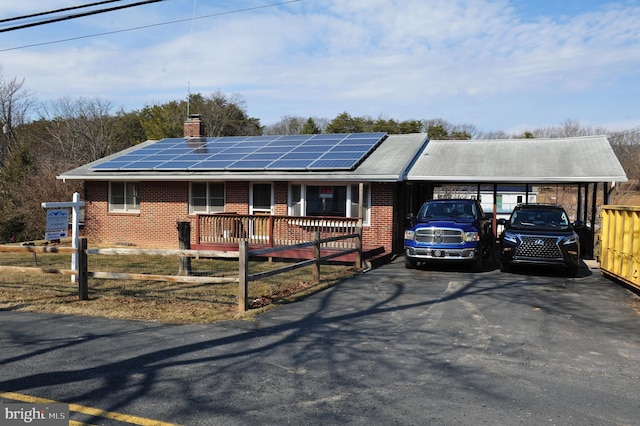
82 274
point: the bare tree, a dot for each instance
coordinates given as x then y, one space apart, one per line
626 145
494 134
288 125
15 104
83 129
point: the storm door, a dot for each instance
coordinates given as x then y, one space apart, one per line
261 204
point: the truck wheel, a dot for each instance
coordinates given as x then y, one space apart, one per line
476 266
409 263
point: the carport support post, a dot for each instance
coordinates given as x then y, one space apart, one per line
358 263
586 204
579 206
494 220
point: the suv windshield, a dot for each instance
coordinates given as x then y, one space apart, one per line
539 218
447 210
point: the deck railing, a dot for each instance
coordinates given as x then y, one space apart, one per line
272 230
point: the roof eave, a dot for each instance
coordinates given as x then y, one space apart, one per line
232 177
519 179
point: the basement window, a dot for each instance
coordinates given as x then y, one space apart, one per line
124 197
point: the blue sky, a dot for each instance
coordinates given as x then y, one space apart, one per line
507 65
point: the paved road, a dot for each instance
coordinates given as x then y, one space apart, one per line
389 347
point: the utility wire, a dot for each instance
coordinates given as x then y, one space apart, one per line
33 15
77 15
148 26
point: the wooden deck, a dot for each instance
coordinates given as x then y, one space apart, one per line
225 231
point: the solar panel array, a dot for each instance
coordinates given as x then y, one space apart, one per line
236 153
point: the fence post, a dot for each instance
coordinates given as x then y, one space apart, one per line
358 263
316 256
83 273
243 269
184 240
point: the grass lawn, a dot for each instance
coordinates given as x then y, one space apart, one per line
161 301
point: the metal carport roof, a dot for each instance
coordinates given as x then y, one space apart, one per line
553 160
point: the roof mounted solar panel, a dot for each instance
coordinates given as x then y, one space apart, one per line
289 152
289 165
211 165
331 164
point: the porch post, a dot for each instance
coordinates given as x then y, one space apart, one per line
360 203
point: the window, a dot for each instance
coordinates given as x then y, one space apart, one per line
328 200
261 199
124 197
206 197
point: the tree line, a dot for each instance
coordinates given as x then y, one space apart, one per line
41 140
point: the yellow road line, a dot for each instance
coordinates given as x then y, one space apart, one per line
125 418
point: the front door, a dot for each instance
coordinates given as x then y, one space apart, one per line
261 204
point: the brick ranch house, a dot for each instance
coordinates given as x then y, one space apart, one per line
141 204
231 188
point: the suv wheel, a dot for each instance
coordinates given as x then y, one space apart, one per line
571 271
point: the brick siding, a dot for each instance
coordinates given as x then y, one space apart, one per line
164 204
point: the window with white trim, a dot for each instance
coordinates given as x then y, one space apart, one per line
329 200
124 197
206 197
261 198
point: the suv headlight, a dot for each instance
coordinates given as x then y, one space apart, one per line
472 236
408 234
570 239
511 237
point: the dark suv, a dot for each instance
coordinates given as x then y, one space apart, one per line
539 234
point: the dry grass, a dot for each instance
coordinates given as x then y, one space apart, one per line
161 301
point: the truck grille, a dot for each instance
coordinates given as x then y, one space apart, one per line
542 247
439 236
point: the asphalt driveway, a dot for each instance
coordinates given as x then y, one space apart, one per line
390 346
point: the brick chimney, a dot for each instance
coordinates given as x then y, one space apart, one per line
194 127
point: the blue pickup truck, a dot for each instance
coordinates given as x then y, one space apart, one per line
452 230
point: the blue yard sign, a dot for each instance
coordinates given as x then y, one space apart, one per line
57 224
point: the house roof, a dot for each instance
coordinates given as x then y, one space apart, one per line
388 162
557 160
413 157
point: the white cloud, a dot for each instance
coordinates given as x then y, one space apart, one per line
404 59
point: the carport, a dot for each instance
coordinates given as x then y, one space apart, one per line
586 163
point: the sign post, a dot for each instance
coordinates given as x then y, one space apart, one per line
56 217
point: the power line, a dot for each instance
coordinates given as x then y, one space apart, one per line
149 26
33 15
77 15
